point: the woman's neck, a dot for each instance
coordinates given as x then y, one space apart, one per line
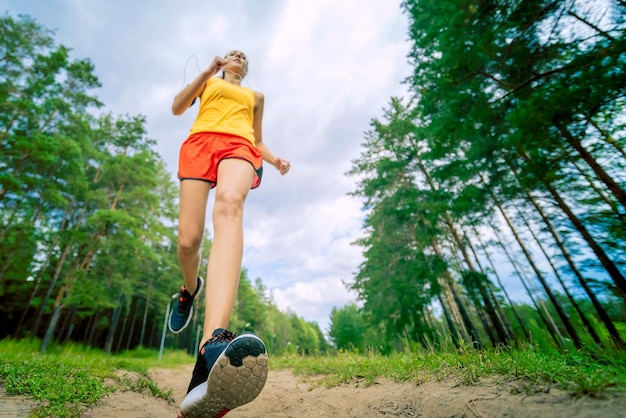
233 77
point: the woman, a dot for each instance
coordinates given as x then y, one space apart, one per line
225 151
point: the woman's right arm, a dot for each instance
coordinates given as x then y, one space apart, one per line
185 97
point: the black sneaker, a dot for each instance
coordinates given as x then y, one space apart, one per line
229 372
182 312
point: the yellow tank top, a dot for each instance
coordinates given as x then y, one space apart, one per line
225 108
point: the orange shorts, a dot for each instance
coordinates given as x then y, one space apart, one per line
202 152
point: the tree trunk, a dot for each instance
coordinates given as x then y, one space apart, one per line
51 286
131 334
500 313
610 203
467 321
120 339
456 338
458 307
480 311
506 294
581 315
604 316
454 311
33 293
607 263
145 318
606 136
108 344
70 324
562 315
499 320
547 318
56 314
95 319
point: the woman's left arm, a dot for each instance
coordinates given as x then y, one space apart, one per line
280 164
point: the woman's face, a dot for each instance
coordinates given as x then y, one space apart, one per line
237 61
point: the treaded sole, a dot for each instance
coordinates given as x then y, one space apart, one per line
237 377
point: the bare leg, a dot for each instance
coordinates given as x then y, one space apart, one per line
234 179
242 373
191 220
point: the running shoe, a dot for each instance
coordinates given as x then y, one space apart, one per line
182 311
229 372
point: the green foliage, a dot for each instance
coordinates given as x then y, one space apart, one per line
399 277
86 197
514 108
347 328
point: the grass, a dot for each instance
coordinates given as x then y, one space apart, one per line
67 380
576 372
70 378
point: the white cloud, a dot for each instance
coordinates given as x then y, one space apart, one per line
314 300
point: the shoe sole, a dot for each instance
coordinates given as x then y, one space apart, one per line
237 377
169 322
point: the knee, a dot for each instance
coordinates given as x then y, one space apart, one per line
188 243
228 206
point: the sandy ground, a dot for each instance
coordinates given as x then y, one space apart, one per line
289 396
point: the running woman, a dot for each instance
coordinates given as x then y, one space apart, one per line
224 150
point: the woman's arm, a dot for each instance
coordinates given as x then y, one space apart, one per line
185 97
280 164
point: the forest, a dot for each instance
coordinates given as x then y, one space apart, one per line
494 193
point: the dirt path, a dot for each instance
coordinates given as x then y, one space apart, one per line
289 396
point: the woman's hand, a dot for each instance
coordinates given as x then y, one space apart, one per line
282 165
217 64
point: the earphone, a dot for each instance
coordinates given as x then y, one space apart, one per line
185 70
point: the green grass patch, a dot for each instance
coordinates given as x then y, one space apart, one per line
69 379
577 372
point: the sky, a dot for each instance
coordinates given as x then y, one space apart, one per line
327 68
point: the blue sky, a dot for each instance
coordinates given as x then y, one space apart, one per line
327 68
